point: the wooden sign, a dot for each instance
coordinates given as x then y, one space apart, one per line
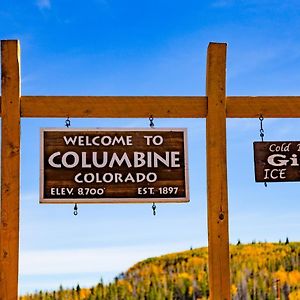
277 161
113 166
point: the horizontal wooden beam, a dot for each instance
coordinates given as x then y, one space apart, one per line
113 106
267 106
158 106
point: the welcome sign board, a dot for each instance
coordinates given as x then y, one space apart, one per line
277 161
113 166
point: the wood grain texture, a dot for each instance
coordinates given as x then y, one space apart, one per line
158 106
268 106
116 189
113 106
10 170
217 198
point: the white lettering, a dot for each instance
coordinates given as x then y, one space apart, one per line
148 137
140 177
294 161
119 161
157 157
115 177
75 157
89 178
279 162
88 160
104 162
51 160
70 139
94 141
108 177
157 140
77 179
276 148
174 159
106 143
138 158
153 175
84 164
275 173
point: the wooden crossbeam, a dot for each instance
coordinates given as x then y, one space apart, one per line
113 106
268 106
158 106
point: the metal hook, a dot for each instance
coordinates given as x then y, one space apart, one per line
154 209
75 210
68 122
262 134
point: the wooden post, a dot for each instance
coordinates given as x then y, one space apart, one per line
217 198
10 170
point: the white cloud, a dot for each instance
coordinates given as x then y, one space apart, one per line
89 260
43 4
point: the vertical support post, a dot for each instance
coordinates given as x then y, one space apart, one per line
217 198
10 170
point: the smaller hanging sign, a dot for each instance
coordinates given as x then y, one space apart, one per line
277 161
114 165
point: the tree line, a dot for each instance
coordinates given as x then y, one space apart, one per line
258 271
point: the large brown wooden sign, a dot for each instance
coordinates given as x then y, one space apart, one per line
113 165
277 161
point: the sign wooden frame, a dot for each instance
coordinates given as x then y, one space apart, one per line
277 161
115 200
216 106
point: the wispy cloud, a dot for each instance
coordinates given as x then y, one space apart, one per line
109 259
43 4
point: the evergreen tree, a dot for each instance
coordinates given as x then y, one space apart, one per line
254 269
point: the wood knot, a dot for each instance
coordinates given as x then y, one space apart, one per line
221 216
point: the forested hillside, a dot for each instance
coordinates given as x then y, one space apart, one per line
258 271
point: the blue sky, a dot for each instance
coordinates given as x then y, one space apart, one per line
113 47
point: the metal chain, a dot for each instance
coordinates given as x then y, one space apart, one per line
154 209
262 134
151 121
75 210
261 131
68 124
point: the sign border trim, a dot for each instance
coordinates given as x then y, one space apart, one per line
130 200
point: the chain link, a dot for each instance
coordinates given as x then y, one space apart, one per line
68 122
261 131
151 121
75 210
262 134
154 209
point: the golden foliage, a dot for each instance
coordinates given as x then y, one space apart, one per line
257 271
